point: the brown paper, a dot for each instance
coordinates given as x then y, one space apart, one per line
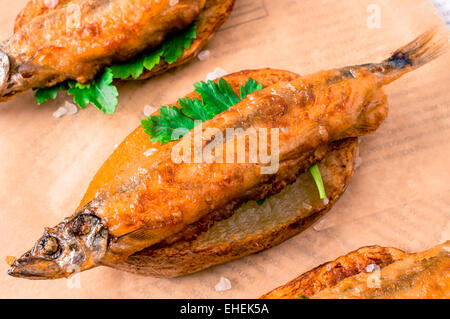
399 196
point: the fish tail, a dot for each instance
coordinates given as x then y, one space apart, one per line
415 54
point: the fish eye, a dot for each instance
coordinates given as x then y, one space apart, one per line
81 225
49 245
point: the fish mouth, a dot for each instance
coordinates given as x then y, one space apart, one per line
36 268
76 244
4 71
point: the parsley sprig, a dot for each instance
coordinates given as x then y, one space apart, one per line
174 122
101 92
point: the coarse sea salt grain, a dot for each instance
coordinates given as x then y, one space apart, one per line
60 112
217 73
223 284
142 171
204 55
50 3
173 2
372 267
325 201
149 110
71 108
150 151
68 108
307 206
358 162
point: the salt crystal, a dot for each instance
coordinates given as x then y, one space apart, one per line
149 110
173 2
142 170
217 73
59 112
51 3
68 108
323 131
150 151
307 206
325 201
358 162
71 108
116 146
204 55
291 87
223 284
372 267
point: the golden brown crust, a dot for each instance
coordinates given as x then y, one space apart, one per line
330 273
187 257
35 8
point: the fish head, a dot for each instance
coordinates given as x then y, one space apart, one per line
4 70
76 244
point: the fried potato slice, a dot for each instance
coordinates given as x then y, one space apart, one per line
399 275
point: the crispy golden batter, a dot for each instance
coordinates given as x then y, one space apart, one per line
422 275
76 41
34 8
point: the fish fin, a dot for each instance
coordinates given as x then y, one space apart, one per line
425 48
420 51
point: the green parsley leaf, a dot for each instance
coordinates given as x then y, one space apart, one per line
132 68
44 94
194 109
171 50
303 297
170 126
173 123
216 98
249 87
315 172
100 92
152 59
261 201
174 46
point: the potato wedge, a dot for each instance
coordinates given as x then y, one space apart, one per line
401 275
253 228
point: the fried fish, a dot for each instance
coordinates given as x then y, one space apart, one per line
151 199
76 39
